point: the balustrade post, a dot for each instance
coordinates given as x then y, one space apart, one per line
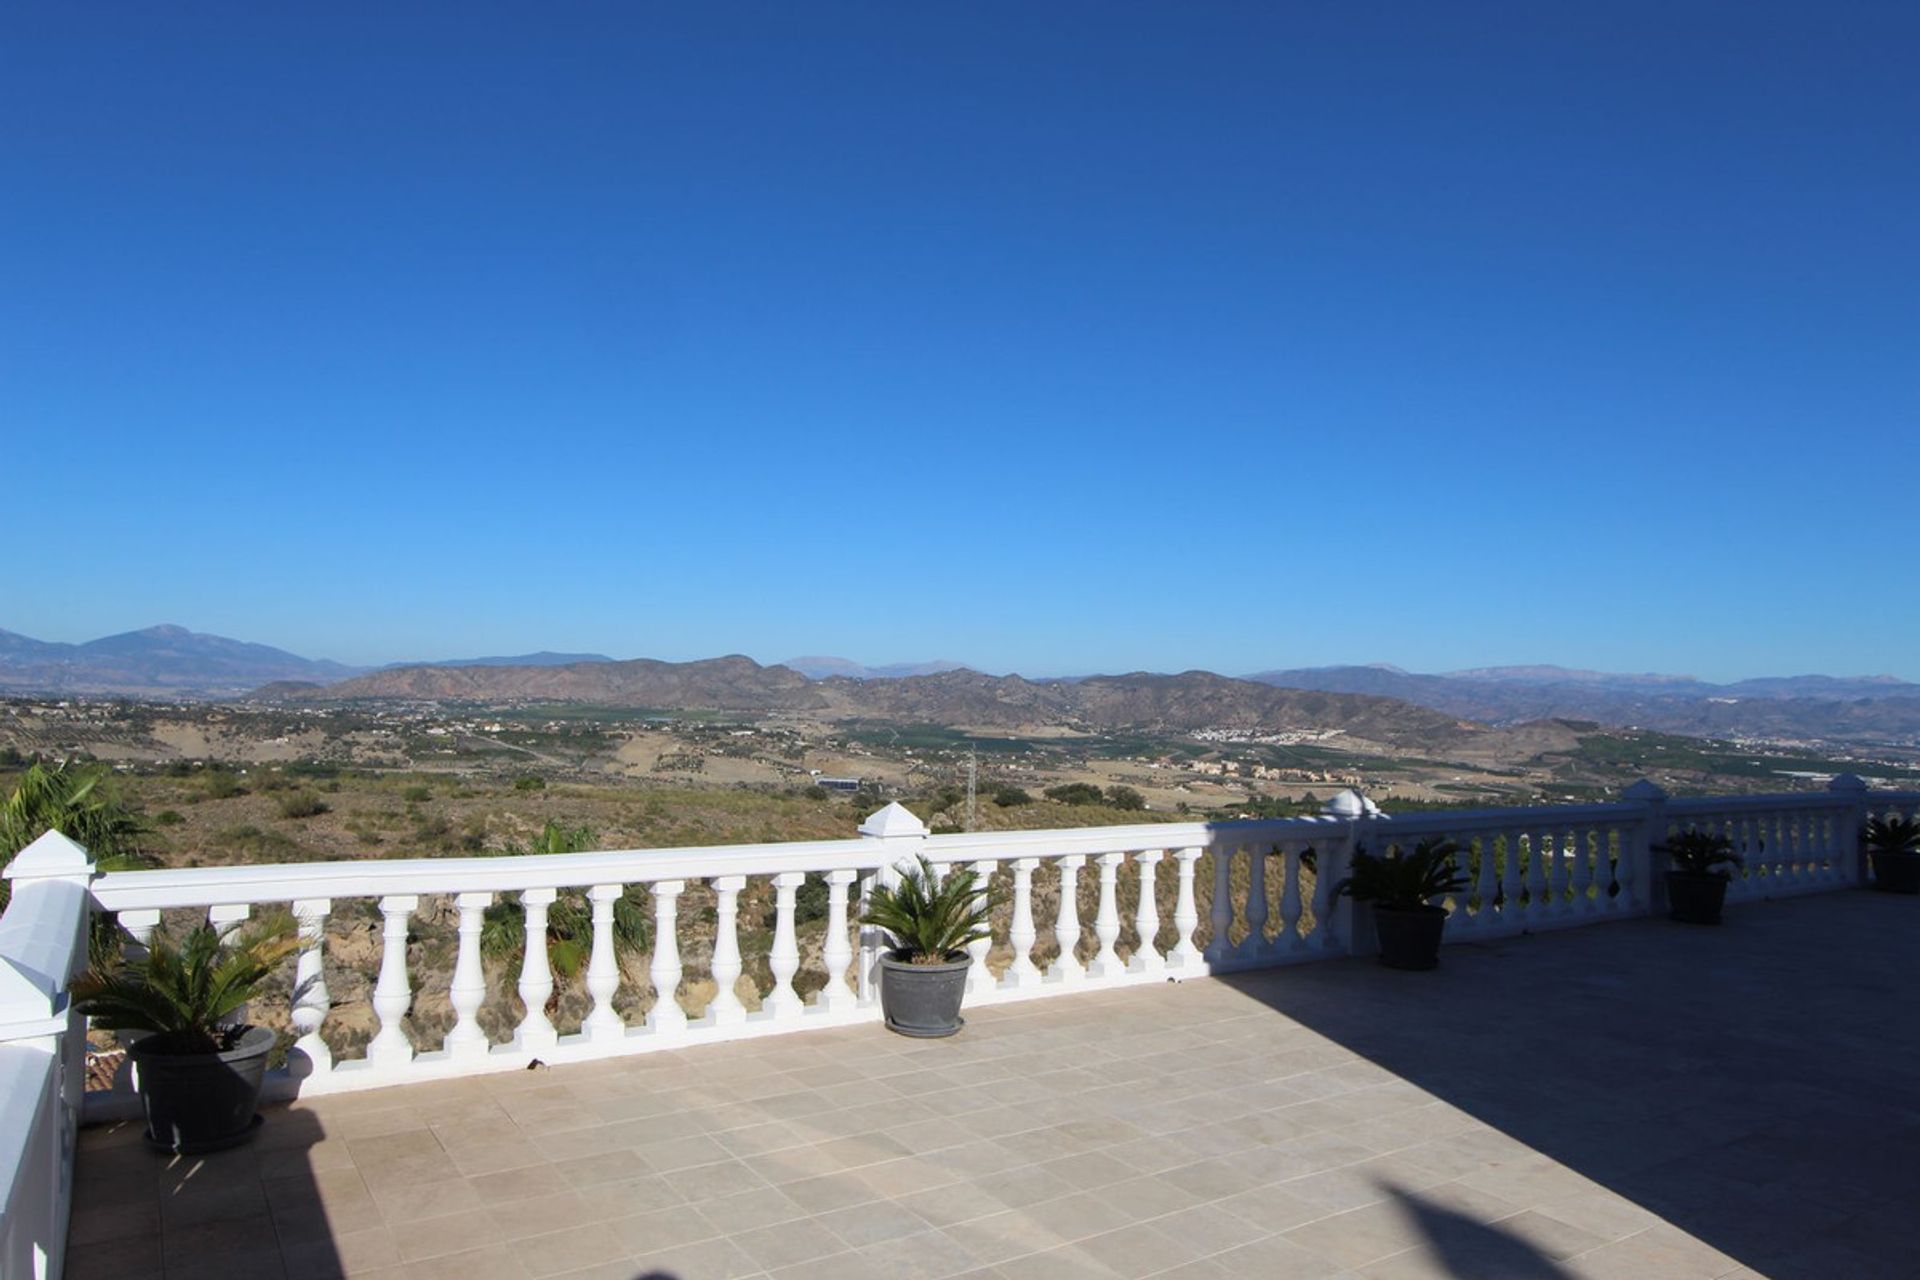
838 952
1353 929
1022 933
1106 925
979 976
469 987
309 1055
726 1009
392 991
1067 969
1146 916
783 1002
666 1017
901 837
1186 913
603 968
535 1032
1850 862
1646 872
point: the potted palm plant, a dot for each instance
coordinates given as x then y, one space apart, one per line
1893 842
930 921
1698 867
1402 886
198 1075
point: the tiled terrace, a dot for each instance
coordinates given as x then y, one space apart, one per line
1636 1100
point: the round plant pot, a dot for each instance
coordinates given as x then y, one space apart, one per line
1896 872
1695 897
201 1101
923 1000
1409 936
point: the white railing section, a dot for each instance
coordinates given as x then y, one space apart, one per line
43 943
1083 909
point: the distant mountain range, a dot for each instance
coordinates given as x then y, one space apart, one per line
1861 707
957 698
821 668
1381 703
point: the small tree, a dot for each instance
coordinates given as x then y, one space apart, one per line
78 801
1125 798
1075 793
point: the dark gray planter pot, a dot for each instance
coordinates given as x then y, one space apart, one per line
201 1101
1896 872
1409 937
1695 897
923 1000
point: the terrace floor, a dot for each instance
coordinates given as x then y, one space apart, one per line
1637 1100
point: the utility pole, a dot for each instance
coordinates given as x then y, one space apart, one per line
973 788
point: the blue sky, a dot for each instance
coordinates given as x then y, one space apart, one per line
1050 337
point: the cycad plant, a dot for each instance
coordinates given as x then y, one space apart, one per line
1403 880
1891 834
184 991
80 803
931 918
1699 853
503 932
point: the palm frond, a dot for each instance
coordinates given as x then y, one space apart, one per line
928 917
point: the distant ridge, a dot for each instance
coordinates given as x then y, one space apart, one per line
544 658
1851 708
823 668
162 661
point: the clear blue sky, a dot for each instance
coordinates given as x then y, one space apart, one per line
1050 337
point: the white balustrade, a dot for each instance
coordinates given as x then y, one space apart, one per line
1146 917
1066 967
1186 912
837 953
536 1033
392 993
469 988
783 1002
603 1022
1529 869
726 1009
310 1054
1022 973
667 1019
1106 924
979 975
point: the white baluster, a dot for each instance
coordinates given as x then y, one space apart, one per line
604 1023
1146 917
1106 924
726 1009
1066 968
1291 905
392 994
837 954
140 924
309 1055
1486 881
979 976
1538 906
872 942
783 1002
1220 911
1022 934
1255 945
535 1034
1513 883
1186 912
469 988
1583 901
223 914
667 1018
1324 880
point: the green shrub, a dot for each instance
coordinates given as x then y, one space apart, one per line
417 794
531 782
1009 797
1075 793
1125 798
301 804
168 818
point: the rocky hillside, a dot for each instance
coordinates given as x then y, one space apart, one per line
961 698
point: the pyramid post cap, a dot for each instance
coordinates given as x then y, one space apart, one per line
1851 783
52 855
1350 804
1645 791
895 821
